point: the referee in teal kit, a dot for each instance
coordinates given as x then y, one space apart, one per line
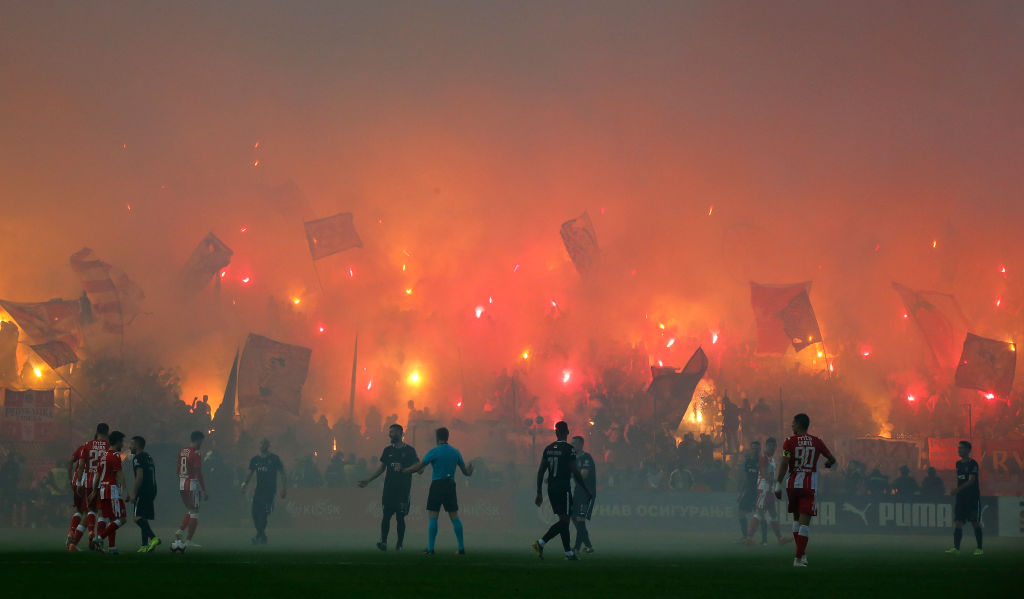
443 458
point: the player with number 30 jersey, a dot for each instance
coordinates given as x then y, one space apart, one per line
799 467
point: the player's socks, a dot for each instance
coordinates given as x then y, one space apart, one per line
101 526
431 534
400 528
193 523
76 519
79 531
796 529
754 523
385 527
958 535
90 521
551 533
801 540
582 535
184 523
111 530
977 535
564 533
457 525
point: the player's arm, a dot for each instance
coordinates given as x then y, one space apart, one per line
252 470
79 469
380 470
138 483
783 469
418 466
120 479
71 468
971 480
540 481
576 474
830 460
199 476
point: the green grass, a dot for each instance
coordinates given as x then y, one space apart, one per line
321 563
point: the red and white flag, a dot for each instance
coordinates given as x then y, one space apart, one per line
55 320
27 415
115 298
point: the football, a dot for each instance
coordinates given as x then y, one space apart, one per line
177 546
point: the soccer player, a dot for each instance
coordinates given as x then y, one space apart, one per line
765 509
267 466
748 490
968 498
800 454
86 461
582 501
443 459
144 493
109 490
397 485
191 486
559 462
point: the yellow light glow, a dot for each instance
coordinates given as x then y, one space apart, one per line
38 372
408 291
296 300
661 326
700 417
414 378
821 354
526 354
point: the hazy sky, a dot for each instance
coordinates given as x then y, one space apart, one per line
465 132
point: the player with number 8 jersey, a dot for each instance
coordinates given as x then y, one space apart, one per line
192 488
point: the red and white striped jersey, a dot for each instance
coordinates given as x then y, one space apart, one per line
109 466
190 470
802 452
766 473
90 454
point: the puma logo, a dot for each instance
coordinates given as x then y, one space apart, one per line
862 513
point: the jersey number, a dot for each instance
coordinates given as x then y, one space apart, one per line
804 457
553 466
95 455
184 466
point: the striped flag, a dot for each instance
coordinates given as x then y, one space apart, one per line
55 320
114 297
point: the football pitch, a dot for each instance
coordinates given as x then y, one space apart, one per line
318 564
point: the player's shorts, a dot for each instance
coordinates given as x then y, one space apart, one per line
111 503
765 501
262 503
582 507
190 499
801 501
561 500
442 494
395 506
966 510
746 501
80 497
145 505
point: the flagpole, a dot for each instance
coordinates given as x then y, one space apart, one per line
318 280
352 388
